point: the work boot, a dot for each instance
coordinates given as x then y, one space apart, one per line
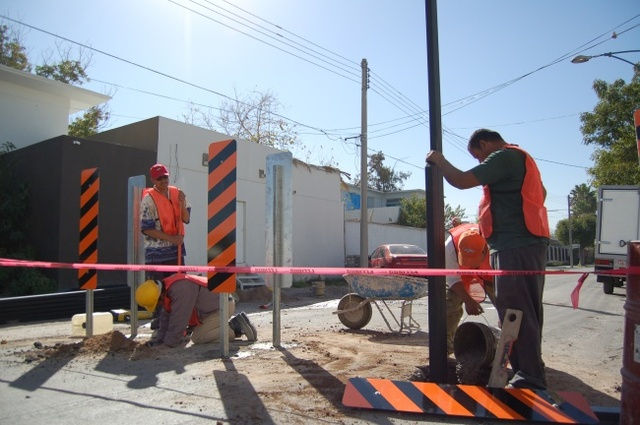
241 321
234 324
254 332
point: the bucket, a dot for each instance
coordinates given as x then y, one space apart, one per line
102 324
475 343
318 288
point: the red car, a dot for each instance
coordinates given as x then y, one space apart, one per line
398 256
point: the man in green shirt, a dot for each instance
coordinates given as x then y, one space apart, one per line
513 219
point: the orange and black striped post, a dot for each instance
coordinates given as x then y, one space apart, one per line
221 214
88 246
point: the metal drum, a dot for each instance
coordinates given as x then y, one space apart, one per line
630 398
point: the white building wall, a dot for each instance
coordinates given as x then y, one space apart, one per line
380 215
30 116
317 205
318 218
379 234
34 108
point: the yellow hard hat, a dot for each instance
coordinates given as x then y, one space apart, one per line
148 293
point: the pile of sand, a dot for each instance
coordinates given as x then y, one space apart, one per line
114 343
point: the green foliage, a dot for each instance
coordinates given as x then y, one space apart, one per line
66 71
89 123
413 212
611 129
12 53
583 200
451 213
14 204
583 230
382 178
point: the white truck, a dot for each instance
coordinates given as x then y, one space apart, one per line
617 223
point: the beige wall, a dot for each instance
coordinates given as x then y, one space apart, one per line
318 237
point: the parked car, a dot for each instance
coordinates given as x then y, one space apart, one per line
398 256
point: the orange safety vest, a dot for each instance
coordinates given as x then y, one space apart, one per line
198 280
456 232
533 209
169 211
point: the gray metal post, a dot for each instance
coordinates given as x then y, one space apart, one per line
89 315
224 329
135 248
364 179
277 251
435 208
279 230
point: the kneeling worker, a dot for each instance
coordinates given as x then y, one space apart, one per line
189 304
465 249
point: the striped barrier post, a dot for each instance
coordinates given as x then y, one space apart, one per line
88 243
88 238
221 227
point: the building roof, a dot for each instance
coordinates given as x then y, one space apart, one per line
79 98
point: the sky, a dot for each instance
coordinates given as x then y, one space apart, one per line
504 65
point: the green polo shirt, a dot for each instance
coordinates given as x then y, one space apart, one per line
504 171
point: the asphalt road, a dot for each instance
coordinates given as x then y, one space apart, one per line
582 345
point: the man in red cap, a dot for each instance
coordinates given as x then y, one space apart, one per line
465 249
163 212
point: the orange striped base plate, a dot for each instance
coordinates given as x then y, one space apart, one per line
471 401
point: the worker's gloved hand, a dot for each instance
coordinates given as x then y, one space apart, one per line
473 308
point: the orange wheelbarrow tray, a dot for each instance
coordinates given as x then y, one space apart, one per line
355 311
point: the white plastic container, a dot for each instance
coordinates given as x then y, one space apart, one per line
102 323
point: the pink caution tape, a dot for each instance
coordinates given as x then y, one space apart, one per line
9 262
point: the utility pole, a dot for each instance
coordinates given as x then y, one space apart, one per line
364 178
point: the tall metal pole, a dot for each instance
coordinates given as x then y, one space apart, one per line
435 208
364 178
570 233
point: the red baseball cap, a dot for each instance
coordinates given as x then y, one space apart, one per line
158 170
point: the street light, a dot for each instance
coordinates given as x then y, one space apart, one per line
583 58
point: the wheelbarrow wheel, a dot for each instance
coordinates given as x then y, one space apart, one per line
357 318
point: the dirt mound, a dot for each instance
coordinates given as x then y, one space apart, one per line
113 343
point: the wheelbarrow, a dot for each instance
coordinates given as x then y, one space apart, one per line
355 311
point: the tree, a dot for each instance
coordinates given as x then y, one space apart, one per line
90 122
610 127
382 178
253 118
583 230
582 200
67 71
413 212
12 52
583 205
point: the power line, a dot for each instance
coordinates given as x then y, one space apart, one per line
268 43
536 158
465 101
146 68
390 91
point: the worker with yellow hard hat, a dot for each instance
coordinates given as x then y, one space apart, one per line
188 304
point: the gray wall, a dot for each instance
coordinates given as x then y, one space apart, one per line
52 171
